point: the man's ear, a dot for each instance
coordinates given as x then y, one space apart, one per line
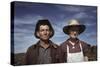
50 33
37 33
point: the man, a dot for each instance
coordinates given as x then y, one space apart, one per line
73 49
44 51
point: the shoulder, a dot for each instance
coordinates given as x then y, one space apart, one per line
84 44
63 44
54 44
33 46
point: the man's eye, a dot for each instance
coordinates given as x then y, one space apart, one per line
47 30
41 30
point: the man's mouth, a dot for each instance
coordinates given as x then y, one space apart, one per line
75 34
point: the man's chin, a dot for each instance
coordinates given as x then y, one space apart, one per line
74 37
45 39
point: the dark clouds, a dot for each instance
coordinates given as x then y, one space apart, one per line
27 15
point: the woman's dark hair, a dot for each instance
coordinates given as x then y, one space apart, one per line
43 22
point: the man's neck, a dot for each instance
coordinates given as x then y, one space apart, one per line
73 39
44 44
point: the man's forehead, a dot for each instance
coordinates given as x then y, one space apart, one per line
44 26
74 28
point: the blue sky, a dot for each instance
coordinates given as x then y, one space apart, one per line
26 16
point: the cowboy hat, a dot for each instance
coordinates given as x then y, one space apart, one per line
74 24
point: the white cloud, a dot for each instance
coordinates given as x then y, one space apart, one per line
81 15
73 8
94 11
70 8
89 34
27 19
90 24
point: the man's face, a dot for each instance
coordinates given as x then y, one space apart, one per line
44 32
73 34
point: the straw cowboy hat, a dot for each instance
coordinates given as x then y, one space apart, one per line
74 24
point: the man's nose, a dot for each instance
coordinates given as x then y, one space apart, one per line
45 32
74 32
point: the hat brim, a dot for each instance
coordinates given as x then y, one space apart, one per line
80 28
